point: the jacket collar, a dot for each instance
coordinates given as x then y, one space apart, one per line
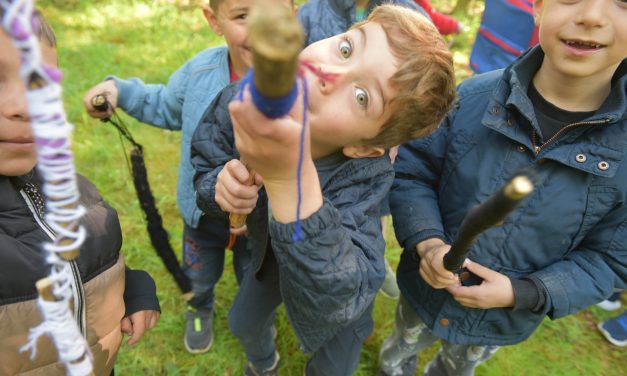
510 95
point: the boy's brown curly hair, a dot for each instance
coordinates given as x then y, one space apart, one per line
425 80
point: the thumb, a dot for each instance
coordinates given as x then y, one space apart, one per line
478 269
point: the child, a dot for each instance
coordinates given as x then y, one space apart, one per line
389 70
178 106
322 19
104 285
560 111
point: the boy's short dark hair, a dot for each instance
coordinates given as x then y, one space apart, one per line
45 32
425 80
215 4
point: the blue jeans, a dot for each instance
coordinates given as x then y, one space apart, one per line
203 258
412 335
252 315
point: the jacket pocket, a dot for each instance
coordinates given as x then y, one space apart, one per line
599 201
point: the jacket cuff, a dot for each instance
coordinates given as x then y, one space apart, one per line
125 92
140 292
528 294
327 217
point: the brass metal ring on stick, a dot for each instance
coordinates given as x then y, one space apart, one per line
276 38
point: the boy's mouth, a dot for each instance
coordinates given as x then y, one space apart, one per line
583 45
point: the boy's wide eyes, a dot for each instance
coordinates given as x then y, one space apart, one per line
362 97
346 49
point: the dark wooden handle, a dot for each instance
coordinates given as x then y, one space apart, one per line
480 218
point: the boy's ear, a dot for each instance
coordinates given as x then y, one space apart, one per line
212 19
363 151
537 10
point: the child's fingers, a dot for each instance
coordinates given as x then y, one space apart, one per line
139 327
154 320
238 171
479 270
126 326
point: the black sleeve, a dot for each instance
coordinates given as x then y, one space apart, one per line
140 292
528 294
213 145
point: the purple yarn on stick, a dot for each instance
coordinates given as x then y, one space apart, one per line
53 73
17 29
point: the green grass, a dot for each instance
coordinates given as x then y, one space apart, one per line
150 39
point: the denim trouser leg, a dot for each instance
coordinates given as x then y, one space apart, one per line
340 355
203 258
252 313
410 336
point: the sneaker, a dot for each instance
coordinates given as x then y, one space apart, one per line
612 303
408 368
198 330
615 330
389 289
272 371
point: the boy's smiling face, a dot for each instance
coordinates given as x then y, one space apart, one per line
230 21
18 153
354 106
583 38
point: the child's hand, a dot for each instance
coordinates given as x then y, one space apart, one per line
269 146
234 194
431 252
495 291
137 323
109 90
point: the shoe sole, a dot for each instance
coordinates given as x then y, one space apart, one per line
609 337
197 351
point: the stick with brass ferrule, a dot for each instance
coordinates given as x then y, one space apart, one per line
276 39
491 212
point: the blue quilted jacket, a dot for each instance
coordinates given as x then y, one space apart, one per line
322 19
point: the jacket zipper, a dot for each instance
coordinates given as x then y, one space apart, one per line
534 136
78 290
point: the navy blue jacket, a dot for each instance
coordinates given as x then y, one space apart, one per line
330 278
322 19
569 236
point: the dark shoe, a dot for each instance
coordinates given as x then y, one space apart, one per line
198 330
615 330
272 371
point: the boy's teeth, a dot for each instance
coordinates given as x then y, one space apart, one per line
582 44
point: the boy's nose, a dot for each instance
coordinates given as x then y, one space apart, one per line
593 13
330 77
15 106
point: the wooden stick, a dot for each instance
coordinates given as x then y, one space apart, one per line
276 39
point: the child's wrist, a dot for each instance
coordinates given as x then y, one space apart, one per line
428 245
283 195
